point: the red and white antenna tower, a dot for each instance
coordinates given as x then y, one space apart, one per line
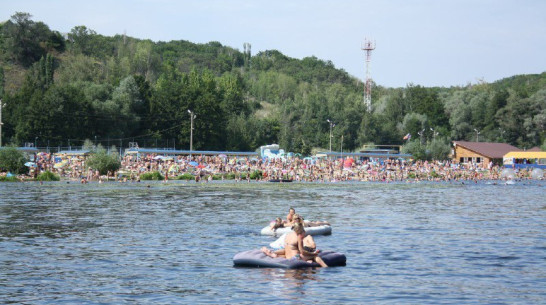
368 46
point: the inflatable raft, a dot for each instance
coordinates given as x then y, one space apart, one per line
256 258
279 243
318 230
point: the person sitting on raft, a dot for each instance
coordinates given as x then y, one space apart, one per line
290 220
299 218
294 249
308 245
290 217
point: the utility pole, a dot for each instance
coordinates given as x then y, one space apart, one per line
1 106
502 131
477 135
331 126
192 116
434 133
341 148
420 133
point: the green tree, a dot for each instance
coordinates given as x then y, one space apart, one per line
438 149
2 81
103 162
27 41
416 149
414 123
80 68
12 160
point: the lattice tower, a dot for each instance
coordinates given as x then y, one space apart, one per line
368 46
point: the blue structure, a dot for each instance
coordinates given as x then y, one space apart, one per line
173 152
365 155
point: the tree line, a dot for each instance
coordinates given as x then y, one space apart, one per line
83 85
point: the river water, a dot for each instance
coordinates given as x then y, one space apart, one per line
169 243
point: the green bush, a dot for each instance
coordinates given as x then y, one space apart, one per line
434 174
229 176
152 176
185 176
256 174
12 160
415 149
217 177
8 179
439 149
48 176
104 162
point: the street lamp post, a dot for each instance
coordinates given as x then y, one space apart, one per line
434 133
502 131
477 135
192 116
1 106
341 146
331 126
35 142
421 133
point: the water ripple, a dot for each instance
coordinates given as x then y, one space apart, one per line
166 243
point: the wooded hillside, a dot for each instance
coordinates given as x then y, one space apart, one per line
84 85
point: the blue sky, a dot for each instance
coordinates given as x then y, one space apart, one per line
427 42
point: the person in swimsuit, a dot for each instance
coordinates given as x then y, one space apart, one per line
312 223
308 242
290 217
299 218
277 224
294 247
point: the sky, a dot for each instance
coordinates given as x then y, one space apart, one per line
422 42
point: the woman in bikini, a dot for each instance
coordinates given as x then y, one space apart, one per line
294 247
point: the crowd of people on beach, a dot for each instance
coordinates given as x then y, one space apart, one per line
206 168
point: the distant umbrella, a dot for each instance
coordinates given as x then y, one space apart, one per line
30 164
348 163
61 164
193 163
200 166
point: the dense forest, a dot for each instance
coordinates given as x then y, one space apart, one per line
61 89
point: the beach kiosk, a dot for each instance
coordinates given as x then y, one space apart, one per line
525 159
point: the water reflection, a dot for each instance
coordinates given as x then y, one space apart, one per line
290 283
